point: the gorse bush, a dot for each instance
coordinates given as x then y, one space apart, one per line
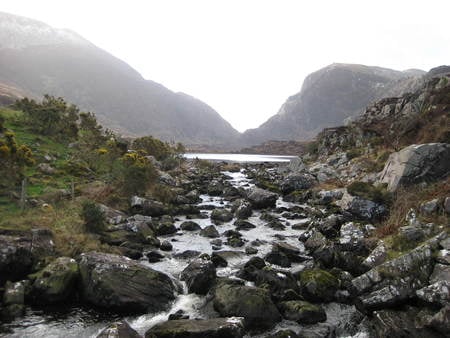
93 216
136 173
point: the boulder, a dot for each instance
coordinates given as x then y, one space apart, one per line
189 226
16 258
296 181
188 328
327 196
119 283
221 215
302 312
415 164
318 285
362 208
147 207
261 199
46 168
210 232
430 207
243 225
278 258
13 299
120 329
199 275
166 246
164 227
377 256
244 210
56 282
254 304
436 293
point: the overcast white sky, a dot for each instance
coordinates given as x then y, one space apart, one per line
245 57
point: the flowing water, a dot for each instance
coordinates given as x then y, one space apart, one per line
82 322
239 157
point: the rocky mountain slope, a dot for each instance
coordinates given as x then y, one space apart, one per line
328 97
40 59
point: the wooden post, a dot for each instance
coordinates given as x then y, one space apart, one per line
23 194
72 187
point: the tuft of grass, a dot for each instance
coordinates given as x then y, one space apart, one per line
365 190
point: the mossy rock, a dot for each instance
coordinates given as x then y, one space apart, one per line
56 282
318 285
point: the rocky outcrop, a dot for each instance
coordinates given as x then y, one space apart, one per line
118 283
415 164
212 328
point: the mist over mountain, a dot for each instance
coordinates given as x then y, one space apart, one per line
40 59
328 97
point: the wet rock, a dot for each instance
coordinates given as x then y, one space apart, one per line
254 304
278 258
302 312
190 226
330 226
199 275
56 282
218 260
164 227
244 210
315 241
415 164
261 199
120 329
118 283
13 299
154 256
243 225
325 197
249 250
16 258
187 254
180 314
248 271
441 272
215 188
283 334
436 293
235 242
440 321
443 257
297 181
212 328
282 285
210 232
166 246
221 215
318 285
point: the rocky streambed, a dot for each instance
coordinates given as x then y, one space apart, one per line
243 261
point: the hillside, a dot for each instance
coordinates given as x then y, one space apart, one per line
39 60
328 97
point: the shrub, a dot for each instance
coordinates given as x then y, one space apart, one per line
93 216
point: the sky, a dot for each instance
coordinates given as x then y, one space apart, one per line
244 58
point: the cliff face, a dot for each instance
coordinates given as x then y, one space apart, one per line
40 59
330 96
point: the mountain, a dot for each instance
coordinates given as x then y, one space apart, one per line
40 59
328 97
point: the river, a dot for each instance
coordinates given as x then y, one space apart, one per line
241 158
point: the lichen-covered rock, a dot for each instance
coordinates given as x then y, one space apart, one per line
318 285
261 199
297 181
118 283
221 215
254 304
188 328
377 256
56 282
436 293
244 210
416 163
199 275
147 207
120 329
361 208
302 312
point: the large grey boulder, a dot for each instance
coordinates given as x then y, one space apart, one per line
361 208
189 328
297 181
254 304
16 258
119 283
416 163
260 198
199 275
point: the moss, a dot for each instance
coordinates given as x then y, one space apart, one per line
365 190
322 277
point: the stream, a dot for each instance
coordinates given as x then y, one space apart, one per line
84 322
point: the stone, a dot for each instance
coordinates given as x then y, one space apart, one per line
154 256
166 246
297 181
16 258
243 225
441 272
315 241
120 329
221 215
56 282
278 258
302 312
210 232
436 293
283 334
443 257
232 327
252 303
261 199
147 207
415 164
119 283
447 205
377 256
249 250
385 297
440 321
361 208
244 210
351 235
411 233
318 285
327 196
165 227
199 275
46 168
190 226
430 207
14 293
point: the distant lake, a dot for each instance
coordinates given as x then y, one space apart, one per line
239 157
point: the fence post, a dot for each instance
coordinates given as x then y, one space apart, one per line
23 194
